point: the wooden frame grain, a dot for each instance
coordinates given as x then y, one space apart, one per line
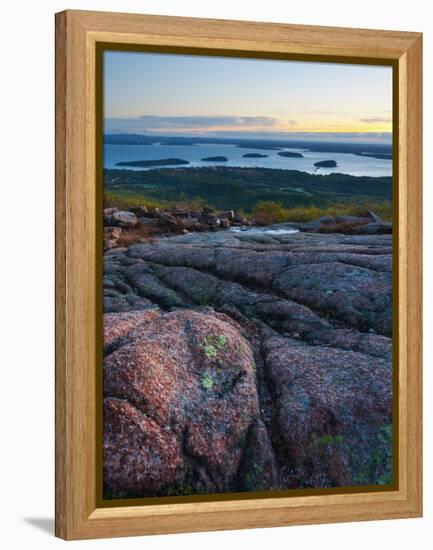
77 240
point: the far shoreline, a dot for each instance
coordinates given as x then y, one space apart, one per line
123 169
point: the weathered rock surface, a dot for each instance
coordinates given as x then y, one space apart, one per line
181 406
245 361
326 281
333 413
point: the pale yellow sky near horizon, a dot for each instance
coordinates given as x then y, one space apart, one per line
185 94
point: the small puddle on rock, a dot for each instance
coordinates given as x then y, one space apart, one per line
264 230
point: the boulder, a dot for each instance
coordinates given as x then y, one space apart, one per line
123 218
310 226
167 220
180 406
139 211
327 220
188 223
375 228
180 212
351 219
228 214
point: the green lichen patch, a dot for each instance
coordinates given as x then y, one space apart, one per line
207 381
212 344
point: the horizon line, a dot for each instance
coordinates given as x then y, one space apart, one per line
299 136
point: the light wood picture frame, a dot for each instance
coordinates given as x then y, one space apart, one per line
79 38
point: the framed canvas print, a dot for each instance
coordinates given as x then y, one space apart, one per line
238 217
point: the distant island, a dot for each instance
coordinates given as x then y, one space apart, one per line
215 159
325 164
250 145
156 162
384 156
254 156
290 154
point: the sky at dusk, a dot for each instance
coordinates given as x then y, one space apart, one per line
188 95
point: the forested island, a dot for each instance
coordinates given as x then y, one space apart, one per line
215 159
383 156
325 164
152 163
290 154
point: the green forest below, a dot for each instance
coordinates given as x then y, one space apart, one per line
291 194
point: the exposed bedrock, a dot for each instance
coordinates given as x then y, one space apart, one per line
326 281
242 362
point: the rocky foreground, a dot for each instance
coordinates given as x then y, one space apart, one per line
139 223
247 362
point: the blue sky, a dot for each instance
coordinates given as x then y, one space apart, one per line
215 96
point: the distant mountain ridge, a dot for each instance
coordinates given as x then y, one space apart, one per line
322 147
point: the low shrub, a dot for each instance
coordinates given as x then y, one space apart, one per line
269 212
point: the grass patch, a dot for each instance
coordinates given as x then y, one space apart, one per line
124 200
269 212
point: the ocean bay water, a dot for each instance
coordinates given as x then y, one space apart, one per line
347 163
